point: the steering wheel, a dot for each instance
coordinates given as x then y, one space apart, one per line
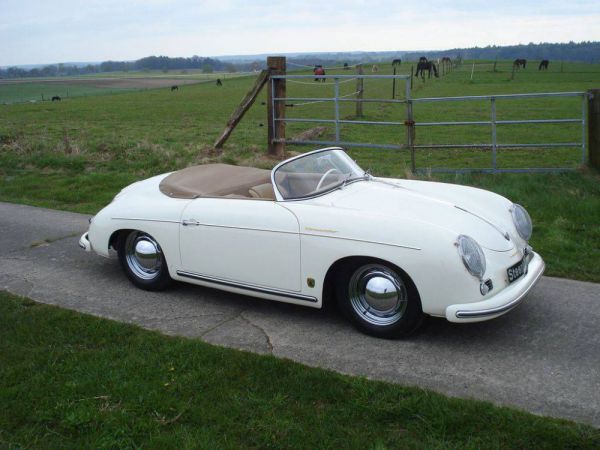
325 176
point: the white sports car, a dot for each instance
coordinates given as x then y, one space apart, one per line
318 227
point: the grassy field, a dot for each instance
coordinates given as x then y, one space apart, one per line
79 153
69 380
43 89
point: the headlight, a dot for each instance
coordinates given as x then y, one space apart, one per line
522 221
472 255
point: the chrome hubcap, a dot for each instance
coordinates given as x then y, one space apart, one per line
143 255
377 294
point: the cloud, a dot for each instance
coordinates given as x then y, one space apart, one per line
34 31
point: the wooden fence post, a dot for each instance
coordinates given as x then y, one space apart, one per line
593 120
359 91
277 87
412 72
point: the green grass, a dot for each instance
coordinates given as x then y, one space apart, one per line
77 154
69 380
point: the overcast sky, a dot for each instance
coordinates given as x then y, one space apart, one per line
49 31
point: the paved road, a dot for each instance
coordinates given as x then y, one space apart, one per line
543 357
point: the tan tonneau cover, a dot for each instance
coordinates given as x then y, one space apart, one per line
213 180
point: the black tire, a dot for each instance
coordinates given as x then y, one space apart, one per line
143 261
378 298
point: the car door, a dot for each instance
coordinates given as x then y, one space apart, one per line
254 242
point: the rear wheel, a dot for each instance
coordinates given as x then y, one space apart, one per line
143 261
379 299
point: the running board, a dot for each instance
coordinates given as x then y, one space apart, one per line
247 287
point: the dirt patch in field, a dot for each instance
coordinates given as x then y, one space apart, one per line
116 83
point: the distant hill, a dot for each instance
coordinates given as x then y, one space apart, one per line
572 51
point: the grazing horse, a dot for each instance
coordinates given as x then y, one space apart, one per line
396 62
375 68
174 88
56 98
428 66
346 66
219 82
520 63
318 70
544 64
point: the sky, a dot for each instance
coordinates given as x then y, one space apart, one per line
51 31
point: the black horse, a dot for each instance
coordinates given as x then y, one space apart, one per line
56 98
219 82
544 64
518 63
346 66
396 62
428 66
174 88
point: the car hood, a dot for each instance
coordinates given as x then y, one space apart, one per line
480 214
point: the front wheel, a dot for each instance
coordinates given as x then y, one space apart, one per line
379 299
143 261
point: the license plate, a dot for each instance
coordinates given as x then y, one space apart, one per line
517 271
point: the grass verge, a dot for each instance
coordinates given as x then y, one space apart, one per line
69 380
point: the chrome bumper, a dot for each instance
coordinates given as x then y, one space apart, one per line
84 243
501 303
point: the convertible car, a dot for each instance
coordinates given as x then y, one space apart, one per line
319 228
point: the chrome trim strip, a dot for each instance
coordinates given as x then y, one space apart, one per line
147 220
247 287
500 309
361 240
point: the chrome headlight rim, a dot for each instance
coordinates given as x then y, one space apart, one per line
471 255
522 221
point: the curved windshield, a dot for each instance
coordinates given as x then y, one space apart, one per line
316 173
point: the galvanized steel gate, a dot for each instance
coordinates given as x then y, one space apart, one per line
411 125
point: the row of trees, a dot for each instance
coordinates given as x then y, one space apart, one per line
164 63
588 52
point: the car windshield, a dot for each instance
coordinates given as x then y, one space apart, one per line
316 173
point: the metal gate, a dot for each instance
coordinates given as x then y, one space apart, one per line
336 100
411 125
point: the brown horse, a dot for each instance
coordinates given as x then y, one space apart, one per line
174 88
544 64
56 98
518 63
428 66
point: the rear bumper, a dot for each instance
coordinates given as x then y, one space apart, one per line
84 243
501 303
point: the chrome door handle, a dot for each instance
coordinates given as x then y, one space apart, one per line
190 222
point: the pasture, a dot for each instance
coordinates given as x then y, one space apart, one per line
78 153
43 89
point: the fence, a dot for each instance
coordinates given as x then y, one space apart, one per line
410 125
494 145
336 100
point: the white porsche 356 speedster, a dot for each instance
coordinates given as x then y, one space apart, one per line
318 227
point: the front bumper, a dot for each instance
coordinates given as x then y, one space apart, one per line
501 303
84 243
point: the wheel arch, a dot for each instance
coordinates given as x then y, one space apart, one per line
335 268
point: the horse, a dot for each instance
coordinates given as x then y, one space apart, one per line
422 59
174 88
428 66
520 63
396 62
375 68
56 98
219 82
544 64
346 66
318 70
